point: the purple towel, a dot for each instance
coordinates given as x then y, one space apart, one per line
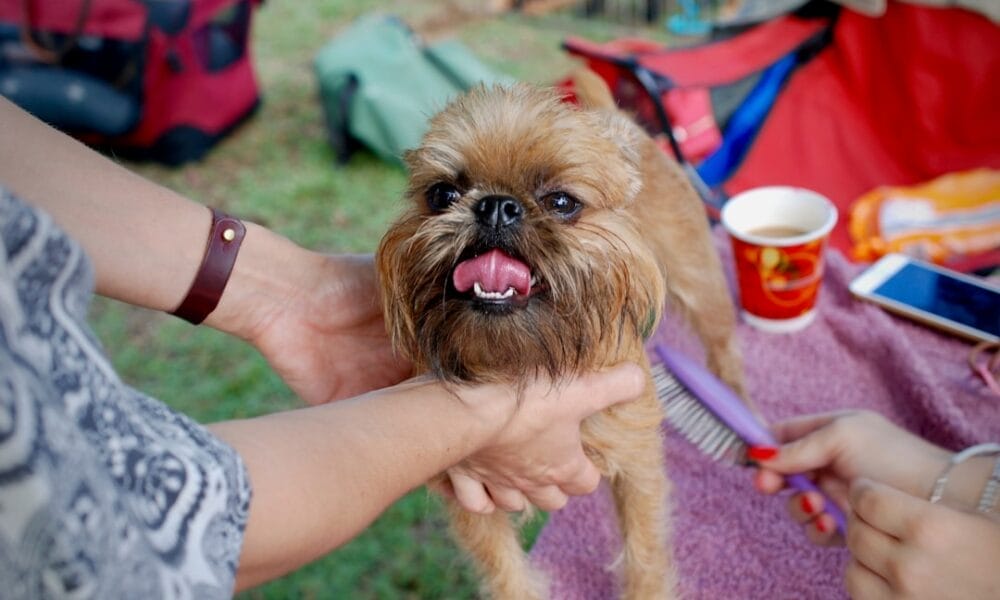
731 542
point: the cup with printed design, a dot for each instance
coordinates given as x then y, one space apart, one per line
779 235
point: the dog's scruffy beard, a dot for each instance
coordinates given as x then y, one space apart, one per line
517 254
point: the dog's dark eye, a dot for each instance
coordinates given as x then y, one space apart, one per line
561 204
442 195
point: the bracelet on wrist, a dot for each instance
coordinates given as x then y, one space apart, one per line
224 240
988 499
959 457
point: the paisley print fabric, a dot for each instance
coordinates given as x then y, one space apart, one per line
104 492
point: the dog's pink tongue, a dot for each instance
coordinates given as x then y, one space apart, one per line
495 271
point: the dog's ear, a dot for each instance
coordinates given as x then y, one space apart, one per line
595 97
591 91
618 129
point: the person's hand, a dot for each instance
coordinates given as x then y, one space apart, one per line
329 341
905 547
322 330
837 448
538 457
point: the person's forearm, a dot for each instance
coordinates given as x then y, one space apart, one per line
146 241
320 475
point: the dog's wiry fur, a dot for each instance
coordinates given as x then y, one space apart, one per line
640 238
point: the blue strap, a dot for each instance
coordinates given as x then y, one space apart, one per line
745 122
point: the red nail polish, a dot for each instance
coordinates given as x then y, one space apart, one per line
821 526
761 452
807 506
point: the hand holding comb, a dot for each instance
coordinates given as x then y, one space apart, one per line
713 418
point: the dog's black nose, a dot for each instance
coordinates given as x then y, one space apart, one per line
498 212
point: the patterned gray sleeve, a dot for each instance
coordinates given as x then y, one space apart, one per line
104 492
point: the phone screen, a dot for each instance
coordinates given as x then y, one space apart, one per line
945 296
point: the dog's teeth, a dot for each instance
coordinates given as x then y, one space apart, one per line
478 290
534 281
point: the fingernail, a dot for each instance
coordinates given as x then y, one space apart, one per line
821 526
806 504
762 452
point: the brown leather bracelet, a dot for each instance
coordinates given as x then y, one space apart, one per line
223 245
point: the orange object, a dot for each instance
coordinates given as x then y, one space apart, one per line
948 218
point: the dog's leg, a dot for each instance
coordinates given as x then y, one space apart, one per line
642 514
641 493
675 227
492 541
722 353
700 291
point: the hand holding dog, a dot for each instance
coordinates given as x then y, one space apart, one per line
539 458
322 329
881 475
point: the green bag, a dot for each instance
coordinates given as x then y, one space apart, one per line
379 85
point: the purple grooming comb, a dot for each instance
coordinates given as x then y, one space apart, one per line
713 417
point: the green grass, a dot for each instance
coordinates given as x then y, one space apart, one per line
277 170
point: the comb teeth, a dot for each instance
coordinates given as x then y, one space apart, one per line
695 422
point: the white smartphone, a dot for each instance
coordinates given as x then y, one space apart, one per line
960 304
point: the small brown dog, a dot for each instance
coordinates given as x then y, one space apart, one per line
545 238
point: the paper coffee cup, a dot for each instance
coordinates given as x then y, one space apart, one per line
779 234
